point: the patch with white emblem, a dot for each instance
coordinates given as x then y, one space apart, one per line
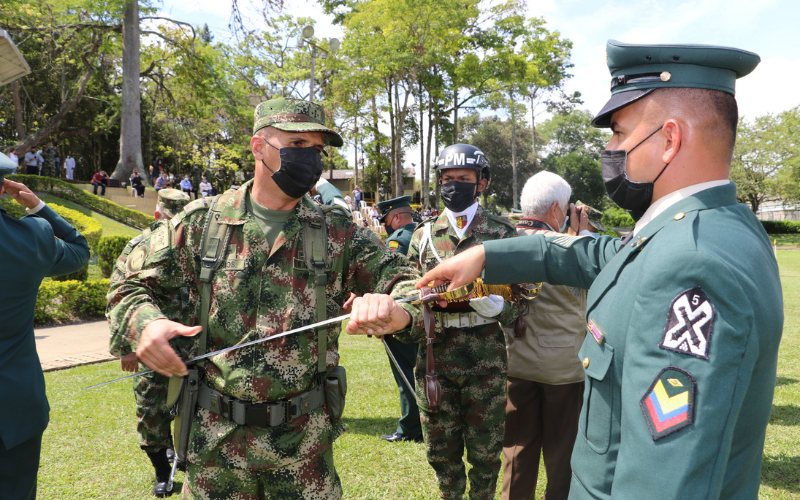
136 259
668 405
690 323
160 239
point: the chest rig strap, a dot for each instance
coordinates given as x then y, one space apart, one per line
315 246
213 247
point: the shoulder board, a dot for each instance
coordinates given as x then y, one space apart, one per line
334 210
502 220
194 206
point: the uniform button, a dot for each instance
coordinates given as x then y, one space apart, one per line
586 362
680 215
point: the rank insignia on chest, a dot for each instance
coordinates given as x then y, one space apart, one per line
461 221
596 333
690 323
668 405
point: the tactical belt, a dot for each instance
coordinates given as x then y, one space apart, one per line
462 320
260 414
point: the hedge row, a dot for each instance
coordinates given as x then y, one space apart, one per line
108 251
781 226
77 195
68 301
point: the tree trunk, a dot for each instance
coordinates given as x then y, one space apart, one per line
393 134
426 179
438 186
17 109
455 117
130 141
514 160
377 136
421 140
533 130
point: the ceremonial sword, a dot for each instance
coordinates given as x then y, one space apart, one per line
254 342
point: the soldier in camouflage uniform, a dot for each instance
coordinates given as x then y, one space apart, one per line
49 166
262 288
471 361
150 390
197 177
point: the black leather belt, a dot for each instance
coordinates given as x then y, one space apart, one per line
260 414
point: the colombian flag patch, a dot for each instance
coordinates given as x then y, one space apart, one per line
668 405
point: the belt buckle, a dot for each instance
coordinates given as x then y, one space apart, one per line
275 418
221 403
258 414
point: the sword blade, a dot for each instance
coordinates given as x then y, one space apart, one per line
252 342
397 365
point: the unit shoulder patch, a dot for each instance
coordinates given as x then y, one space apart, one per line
668 405
393 245
159 240
690 323
136 259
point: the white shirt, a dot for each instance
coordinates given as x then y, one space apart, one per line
462 219
205 187
674 197
13 157
30 159
69 163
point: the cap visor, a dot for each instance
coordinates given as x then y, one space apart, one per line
331 137
617 101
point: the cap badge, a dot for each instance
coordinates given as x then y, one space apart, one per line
666 76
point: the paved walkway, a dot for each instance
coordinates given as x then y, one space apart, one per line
77 344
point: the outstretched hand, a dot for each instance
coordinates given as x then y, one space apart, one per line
376 314
154 349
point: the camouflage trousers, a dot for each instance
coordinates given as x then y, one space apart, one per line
152 414
471 415
315 479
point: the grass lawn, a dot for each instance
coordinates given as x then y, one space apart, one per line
90 449
110 226
786 240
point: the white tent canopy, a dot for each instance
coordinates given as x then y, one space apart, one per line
12 64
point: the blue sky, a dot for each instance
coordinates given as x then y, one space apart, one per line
770 28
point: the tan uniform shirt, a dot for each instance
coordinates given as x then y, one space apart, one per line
556 327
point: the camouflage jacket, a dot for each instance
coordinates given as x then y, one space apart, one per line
171 306
257 292
466 351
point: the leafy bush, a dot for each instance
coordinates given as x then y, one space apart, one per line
77 195
781 226
65 301
108 250
614 216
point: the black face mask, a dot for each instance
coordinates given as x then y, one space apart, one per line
628 194
300 170
458 196
389 229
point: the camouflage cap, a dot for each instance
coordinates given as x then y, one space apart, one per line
595 216
172 201
294 115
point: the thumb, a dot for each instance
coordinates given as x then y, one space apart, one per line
188 331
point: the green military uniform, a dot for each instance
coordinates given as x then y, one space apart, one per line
197 178
49 165
31 248
472 365
405 354
594 216
260 289
684 321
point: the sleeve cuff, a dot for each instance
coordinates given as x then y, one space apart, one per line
36 209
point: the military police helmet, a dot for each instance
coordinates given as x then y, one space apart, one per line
464 156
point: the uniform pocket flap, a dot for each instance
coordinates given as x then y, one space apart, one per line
596 358
557 341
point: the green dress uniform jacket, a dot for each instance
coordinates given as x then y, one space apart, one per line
257 292
31 248
684 323
401 238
